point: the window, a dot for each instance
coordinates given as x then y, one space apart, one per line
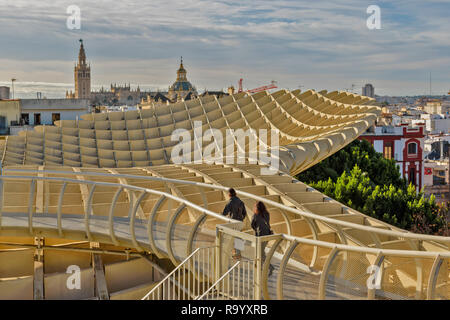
412 176
25 119
387 153
55 117
412 148
37 119
3 125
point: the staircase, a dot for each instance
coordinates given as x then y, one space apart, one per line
194 279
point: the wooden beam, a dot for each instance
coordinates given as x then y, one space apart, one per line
101 289
38 278
40 192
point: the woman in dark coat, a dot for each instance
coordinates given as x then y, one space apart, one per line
261 225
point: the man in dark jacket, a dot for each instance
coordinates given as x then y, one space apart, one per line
235 208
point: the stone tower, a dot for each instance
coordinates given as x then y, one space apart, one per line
82 74
181 73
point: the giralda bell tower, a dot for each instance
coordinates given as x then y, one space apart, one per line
82 74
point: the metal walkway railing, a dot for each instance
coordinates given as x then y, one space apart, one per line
189 279
235 284
310 217
170 226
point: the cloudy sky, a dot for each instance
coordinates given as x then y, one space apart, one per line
315 44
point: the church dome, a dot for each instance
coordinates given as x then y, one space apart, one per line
182 86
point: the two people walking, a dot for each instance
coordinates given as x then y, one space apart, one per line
260 222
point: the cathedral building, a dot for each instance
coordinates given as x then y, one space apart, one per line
118 95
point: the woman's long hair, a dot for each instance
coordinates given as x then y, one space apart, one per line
261 209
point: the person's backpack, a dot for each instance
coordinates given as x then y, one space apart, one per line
241 212
268 227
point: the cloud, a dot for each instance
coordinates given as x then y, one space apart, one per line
318 44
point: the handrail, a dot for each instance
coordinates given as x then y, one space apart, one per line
405 253
119 186
187 265
150 221
293 242
399 234
170 274
359 249
218 281
129 187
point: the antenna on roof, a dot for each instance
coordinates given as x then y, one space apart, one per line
12 84
430 84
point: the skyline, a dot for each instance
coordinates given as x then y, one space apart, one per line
295 43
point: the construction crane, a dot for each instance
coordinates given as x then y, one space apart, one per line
240 85
352 89
272 85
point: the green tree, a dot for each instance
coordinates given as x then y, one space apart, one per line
373 186
381 171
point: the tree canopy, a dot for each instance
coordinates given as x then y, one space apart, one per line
381 171
362 179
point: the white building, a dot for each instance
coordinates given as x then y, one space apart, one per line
436 173
403 144
436 123
47 111
434 106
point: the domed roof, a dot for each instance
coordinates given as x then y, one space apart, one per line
182 85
